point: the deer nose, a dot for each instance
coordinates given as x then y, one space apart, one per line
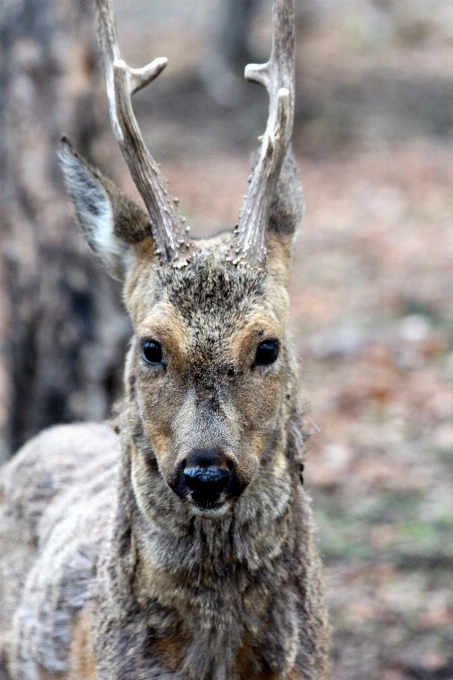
206 476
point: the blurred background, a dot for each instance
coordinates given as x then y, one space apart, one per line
372 281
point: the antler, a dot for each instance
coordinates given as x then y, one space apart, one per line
277 76
170 233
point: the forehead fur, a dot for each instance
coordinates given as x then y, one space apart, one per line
209 287
209 283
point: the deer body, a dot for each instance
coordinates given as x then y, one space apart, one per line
117 570
177 544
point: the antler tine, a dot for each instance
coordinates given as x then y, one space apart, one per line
170 234
277 76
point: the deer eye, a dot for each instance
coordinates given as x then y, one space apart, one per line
152 352
266 353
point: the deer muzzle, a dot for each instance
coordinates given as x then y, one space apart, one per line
207 478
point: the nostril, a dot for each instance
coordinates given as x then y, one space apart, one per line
196 476
206 476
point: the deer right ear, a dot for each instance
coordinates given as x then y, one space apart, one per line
110 220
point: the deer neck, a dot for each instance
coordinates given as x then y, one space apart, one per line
208 587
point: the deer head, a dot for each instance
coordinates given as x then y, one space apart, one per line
210 374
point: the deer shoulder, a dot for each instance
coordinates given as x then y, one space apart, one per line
178 546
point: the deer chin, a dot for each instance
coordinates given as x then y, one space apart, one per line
212 508
218 510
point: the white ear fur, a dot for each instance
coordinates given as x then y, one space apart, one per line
93 210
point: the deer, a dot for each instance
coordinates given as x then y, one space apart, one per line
176 541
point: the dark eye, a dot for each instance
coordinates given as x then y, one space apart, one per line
151 352
266 353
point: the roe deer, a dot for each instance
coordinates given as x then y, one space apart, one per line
176 544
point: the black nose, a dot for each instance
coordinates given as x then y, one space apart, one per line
206 476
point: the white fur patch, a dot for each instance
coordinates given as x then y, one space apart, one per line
93 210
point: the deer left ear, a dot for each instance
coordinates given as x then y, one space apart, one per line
110 220
288 204
285 212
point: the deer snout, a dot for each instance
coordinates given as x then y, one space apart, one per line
207 477
196 476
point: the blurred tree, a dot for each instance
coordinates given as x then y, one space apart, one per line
222 69
65 328
234 33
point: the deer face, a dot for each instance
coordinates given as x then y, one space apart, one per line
208 359
206 370
207 365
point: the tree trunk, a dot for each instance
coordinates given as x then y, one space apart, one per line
235 32
65 326
222 69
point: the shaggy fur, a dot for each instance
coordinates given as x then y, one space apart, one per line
106 573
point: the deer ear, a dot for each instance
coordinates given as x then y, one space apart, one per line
288 204
287 207
110 220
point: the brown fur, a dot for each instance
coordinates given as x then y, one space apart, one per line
109 571
82 663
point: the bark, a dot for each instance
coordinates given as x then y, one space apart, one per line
65 326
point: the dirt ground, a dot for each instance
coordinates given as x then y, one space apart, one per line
371 290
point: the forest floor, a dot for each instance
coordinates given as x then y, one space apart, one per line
371 314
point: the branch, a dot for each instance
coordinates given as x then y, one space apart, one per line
172 244
277 76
